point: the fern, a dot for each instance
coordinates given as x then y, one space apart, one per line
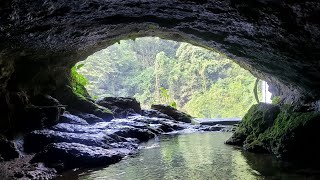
78 81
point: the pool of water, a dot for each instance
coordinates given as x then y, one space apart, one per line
197 156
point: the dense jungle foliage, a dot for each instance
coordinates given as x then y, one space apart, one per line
198 81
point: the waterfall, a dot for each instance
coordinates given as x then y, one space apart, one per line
266 95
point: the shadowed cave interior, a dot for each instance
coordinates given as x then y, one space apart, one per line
277 42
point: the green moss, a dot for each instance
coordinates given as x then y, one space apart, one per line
78 81
153 26
286 122
255 146
107 111
276 100
259 118
266 128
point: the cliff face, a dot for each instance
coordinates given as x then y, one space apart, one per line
276 41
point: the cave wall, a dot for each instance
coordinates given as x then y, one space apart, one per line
277 41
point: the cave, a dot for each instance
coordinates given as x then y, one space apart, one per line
41 41
200 82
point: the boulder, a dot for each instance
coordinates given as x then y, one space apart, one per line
49 107
90 118
257 120
64 156
121 106
172 112
155 113
130 122
35 113
66 117
79 103
166 125
8 150
281 131
131 132
104 134
37 140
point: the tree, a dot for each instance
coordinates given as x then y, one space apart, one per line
202 82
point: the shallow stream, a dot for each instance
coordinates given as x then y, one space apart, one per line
195 156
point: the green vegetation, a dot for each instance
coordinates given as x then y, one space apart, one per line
287 124
201 82
276 100
269 128
78 81
166 98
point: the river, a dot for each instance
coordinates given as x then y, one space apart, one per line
195 156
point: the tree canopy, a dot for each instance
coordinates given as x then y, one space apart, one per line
201 82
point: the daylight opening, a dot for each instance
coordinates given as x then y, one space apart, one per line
198 81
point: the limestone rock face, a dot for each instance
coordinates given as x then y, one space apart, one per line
277 41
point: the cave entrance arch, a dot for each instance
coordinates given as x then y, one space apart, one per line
201 82
41 41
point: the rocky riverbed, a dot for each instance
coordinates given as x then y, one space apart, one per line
88 141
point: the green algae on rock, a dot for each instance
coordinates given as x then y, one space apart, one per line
280 131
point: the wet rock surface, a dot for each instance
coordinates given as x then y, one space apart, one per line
72 119
73 155
75 144
172 112
155 113
90 118
121 106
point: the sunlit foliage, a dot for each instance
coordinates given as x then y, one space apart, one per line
201 82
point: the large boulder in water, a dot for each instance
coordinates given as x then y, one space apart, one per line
37 140
172 112
105 134
121 106
289 134
64 156
257 120
154 113
8 150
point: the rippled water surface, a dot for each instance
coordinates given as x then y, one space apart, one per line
197 156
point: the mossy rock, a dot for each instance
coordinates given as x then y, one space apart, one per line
294 135
288 134
81 103
258 119
255 146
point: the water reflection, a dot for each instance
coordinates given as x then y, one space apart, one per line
271 168
188 157
200 156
